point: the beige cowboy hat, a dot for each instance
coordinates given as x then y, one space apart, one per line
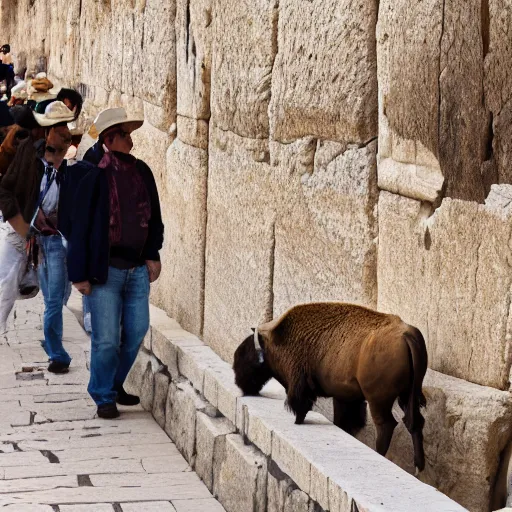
55 113
113 117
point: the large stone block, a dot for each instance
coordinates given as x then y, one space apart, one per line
326 228
182 406
449 275
181 287
193 47
242 480
431 89
243 51
210 440
240 240
467 427
133 383
118 37
310 95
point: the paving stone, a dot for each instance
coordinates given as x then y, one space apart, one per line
35 484
26 507
97 507
129 460
148 506
165 464
124 452
94 441
204 505
22 459
112 494
87 467
149 480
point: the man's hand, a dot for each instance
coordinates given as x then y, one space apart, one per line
84 287
154 269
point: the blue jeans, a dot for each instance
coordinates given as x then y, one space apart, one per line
53 281
120 320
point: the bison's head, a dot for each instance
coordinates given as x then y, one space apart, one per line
251 370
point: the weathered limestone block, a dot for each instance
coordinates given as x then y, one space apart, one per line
150 144
181 284
244 47
242 479
161 388
193 46
193 132
133 383
240 240
498 82
467 427
147 389
165 351
297 501
210 441
182 406
407 168
449 275
118 38
310 95
431 88
326 228
158 117
279 486
221 391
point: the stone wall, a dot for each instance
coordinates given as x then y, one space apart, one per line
319 150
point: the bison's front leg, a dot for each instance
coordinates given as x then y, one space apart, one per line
300 399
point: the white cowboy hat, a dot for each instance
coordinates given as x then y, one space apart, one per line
55 113
113 117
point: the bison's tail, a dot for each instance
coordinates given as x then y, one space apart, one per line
419 358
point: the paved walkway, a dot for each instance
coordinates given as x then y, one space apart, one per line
56 456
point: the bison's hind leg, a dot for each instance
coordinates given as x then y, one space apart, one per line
414 422
385 424
300 399
350 417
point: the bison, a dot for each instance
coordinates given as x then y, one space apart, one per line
347 352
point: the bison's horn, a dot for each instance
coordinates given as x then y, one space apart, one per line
257 345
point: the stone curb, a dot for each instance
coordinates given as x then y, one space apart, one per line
248 450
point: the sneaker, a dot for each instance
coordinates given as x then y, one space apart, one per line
124 398
58 367
108 411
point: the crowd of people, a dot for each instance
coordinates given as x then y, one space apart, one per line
92 223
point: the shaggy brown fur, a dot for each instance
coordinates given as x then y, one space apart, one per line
347 352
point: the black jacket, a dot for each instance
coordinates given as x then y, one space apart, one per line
88 243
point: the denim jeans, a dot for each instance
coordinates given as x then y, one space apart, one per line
120 320
53 281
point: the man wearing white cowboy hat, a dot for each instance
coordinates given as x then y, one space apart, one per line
113 255
35 201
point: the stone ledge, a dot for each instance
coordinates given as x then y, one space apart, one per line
336 471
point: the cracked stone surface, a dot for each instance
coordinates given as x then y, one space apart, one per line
449 275
56 455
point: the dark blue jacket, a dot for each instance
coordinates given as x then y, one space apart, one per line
88 244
